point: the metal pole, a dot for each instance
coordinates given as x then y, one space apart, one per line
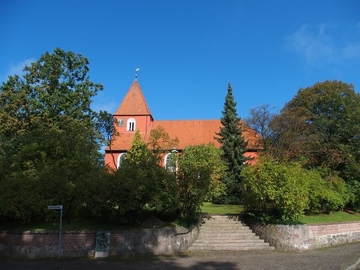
61 210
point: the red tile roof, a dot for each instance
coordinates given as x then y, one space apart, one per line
188 132
195 132
134 102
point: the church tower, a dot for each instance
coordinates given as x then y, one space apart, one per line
133 114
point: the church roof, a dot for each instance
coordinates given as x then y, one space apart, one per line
196 132
134 102
188 132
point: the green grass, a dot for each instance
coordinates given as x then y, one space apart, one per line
220 209
334 217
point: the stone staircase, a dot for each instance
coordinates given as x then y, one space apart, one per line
227 233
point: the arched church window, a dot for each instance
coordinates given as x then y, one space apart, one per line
170 162
120 159
131 124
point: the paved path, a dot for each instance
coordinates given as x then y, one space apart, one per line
339 257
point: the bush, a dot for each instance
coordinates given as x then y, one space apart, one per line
354 193
200 169
328 192
282 193
275 191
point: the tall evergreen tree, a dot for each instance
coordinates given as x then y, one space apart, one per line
233 146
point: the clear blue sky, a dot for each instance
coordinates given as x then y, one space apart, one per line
188 50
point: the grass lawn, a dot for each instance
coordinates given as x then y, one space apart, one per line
221 209
335 217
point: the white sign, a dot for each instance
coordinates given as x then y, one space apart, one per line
55 207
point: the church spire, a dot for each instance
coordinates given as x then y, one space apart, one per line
134 102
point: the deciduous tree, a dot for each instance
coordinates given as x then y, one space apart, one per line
48 139
259 119
200 169
330 110
321 125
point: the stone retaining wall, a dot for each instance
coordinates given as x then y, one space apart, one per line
82 243
168 240
303 237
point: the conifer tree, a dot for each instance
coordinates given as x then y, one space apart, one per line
233 146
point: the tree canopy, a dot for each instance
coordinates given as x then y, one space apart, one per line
321 123
48 137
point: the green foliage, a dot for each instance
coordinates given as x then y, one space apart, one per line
354 193
199 171
48 139
332 112
95 193
329 193
141 182
321 124
275 191
282 193
233 147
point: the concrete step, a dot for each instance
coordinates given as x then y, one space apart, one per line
232 244
228 237
219 227
231 248
227 233
224 229
232 241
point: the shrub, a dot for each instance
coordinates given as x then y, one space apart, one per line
275 192
282 193
329 193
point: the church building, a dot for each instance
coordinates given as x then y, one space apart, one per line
134 114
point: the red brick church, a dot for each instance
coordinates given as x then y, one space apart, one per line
134 114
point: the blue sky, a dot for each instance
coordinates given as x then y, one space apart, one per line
188 50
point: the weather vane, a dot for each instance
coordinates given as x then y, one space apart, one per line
136 74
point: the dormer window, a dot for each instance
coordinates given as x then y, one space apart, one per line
131 124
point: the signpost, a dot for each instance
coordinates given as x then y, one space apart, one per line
58 207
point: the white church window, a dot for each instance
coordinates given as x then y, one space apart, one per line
120 159
131 124
170 163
